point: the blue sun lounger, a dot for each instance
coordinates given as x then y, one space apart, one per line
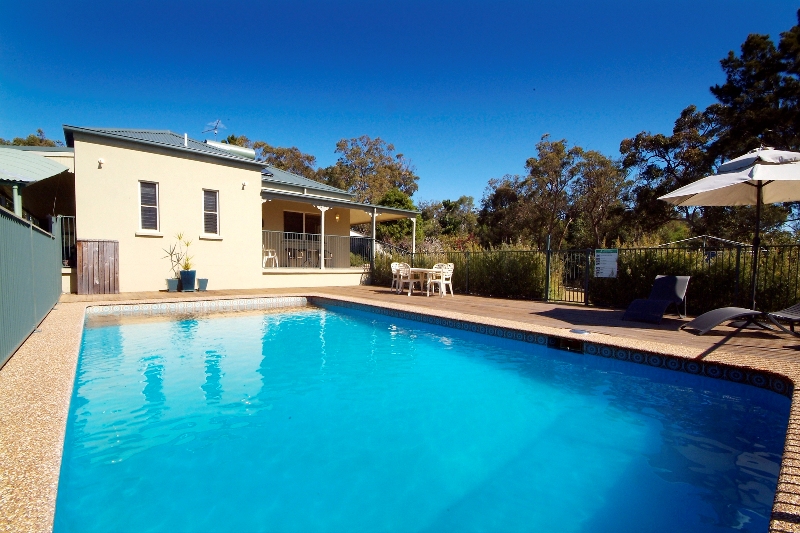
790 315
666 291
708 321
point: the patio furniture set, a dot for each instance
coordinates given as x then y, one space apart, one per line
439 277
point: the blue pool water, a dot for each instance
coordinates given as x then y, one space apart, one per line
326 420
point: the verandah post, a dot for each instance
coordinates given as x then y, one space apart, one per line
372 252
322 210
413 235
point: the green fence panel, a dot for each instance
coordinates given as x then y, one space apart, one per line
30 279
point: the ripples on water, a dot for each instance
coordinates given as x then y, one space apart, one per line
325 420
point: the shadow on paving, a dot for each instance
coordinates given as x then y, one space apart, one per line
603 317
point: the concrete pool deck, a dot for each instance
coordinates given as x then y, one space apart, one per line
36 383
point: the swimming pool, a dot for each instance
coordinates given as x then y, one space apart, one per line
340 420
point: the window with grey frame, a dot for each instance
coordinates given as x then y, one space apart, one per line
148 203
211 212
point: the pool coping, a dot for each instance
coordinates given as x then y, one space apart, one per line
36 386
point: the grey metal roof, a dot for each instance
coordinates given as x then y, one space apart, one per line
163 138
171 140
282 176
19 166
39 148
389 213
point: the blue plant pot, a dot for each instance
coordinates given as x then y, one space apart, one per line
202 284
172 285
187 280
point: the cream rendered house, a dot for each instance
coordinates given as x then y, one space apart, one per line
250 225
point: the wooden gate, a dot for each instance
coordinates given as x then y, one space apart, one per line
98 267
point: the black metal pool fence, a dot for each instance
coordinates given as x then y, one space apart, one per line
721 276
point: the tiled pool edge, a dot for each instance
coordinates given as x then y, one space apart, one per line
57 350
758 378
231 305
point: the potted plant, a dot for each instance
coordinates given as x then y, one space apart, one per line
180 265
187 274
172 284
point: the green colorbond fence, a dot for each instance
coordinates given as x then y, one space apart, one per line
30 279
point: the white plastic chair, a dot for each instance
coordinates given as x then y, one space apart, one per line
395 278
442 279
404 278
429 277
270 256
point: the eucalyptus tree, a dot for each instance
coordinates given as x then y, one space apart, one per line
396 231
370 168
662 163
758 103
34 139
288 159
598 191
548 189
503 217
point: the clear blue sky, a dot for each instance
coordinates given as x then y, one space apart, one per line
464 89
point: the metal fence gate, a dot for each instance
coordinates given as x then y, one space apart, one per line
568 273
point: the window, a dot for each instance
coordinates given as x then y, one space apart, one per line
211 212
301 222
313 223
292 222
148 194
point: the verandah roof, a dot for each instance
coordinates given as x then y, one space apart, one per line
359 213
18 166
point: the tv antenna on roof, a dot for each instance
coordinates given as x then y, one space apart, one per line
214 126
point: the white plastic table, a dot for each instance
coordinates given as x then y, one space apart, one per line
420 274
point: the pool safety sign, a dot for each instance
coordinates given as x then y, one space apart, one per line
605 263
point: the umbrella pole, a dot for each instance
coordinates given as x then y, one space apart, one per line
756 245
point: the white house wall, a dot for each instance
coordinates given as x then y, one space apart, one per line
107 207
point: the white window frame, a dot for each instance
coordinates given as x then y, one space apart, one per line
157 206
203 207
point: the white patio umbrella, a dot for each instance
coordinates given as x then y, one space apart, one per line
760 176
